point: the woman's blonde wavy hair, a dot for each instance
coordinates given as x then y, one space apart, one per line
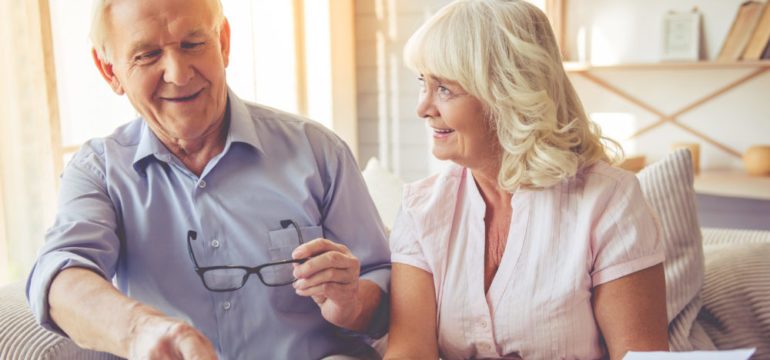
504 53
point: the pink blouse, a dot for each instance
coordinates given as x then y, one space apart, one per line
563 241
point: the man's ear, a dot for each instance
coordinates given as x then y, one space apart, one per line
108 74
224 41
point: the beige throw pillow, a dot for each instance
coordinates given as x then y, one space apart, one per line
385 189
668 187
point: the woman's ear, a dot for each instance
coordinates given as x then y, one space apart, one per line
105 68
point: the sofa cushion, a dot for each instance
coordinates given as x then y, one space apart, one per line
22 338
736 293
668 187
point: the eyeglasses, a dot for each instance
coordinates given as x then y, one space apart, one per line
230 278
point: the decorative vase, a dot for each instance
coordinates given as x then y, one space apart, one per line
757 160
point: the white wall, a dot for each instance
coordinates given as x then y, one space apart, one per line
387 92
629 31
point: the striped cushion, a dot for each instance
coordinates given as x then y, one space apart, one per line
668 187
21 338
736 295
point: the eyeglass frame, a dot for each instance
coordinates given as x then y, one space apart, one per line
192 236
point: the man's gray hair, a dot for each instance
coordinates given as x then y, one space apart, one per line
99 26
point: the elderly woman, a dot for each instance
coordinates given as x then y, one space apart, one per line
530 244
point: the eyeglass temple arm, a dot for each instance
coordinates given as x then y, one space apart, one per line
192 235
287 223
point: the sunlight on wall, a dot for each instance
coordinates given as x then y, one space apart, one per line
602 51
619 127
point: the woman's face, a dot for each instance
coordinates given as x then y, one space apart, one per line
460 131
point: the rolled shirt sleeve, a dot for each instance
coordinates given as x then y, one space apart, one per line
83 234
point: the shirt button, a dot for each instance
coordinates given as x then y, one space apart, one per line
483 324
226 305
215 243
486 347
202 184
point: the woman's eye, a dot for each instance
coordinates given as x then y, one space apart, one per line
444 91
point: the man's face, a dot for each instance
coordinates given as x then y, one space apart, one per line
169 58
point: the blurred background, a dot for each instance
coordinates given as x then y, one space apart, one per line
649 72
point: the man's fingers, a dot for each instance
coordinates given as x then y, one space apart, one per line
192 345
330 275
316 247
330 291
327 260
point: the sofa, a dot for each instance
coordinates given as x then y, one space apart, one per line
717 280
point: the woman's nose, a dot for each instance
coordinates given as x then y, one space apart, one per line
425 106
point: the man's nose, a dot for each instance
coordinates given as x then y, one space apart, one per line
177 69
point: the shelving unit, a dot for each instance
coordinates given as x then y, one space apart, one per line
578 67
734 184
586 71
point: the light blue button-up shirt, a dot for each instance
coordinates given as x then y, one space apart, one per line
126 205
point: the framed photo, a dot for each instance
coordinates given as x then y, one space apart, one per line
681 36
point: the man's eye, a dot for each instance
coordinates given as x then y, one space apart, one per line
148 56
192 45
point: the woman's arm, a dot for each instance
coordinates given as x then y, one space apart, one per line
412 314
631 312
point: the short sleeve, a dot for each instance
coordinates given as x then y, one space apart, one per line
404 243
626 236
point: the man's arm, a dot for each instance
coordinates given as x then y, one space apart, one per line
349 273
97 316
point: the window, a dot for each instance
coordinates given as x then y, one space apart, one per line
271 42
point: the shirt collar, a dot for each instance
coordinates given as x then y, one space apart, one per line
242 129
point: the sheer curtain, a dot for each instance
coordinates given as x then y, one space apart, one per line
27 111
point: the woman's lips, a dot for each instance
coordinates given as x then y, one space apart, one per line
442 133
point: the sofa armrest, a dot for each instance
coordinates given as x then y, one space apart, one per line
22 338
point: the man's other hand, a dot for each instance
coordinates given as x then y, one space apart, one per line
330 277
155 336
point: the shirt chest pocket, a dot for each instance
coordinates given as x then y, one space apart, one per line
281 244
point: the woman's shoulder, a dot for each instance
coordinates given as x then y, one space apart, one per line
433 189
602 182
602 175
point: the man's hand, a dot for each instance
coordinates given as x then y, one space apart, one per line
154 336
330 277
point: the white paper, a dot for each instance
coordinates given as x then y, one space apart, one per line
739 354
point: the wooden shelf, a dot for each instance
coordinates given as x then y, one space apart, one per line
733 183
758 68
577 67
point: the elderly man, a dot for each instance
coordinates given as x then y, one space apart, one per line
202 193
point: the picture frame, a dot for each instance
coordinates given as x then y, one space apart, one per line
681 36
